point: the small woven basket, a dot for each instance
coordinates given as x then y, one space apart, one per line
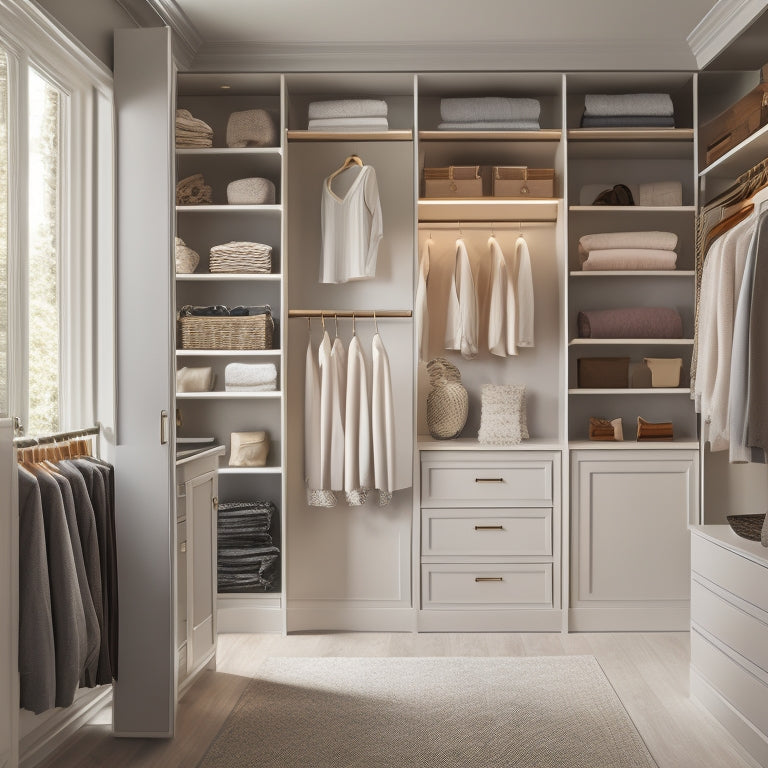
246 332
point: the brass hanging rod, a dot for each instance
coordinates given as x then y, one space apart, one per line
356 313
56 437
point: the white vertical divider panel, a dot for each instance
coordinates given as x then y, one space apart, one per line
9 600
283 349
144 695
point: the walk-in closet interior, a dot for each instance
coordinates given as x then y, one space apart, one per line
397 348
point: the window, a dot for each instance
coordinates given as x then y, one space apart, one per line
4 410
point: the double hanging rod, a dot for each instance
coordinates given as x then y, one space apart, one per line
355 313
56 437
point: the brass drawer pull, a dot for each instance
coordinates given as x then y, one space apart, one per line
489 479
489 527
488 578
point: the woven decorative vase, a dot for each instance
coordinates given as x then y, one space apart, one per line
193 191
448 402
186 259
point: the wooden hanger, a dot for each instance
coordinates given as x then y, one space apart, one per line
348 163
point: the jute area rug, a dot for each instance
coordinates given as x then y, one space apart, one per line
530 712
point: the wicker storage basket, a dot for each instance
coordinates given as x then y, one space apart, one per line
521 181
241 332
453 181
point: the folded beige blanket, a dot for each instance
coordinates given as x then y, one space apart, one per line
194 379
628 258
660 193
661 241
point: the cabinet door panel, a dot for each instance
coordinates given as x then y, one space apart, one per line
202 601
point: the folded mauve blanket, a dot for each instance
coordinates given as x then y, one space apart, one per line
630 323
491 125
348 108
652 239
628 258
629 104
627 121
488 108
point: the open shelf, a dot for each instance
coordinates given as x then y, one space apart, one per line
224 151
229 395
630 134
742 157
633 273
634 209
228 352
250 470
488 209
297 135
230 277
428 443
545 134
619 342
271 209
631 391
631 445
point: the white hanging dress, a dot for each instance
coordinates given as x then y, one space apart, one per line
358 460
421 310
502 310
338 363
524 285
461 321
316 496
382 423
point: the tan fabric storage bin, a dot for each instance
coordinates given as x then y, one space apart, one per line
665 371
521 181
453 181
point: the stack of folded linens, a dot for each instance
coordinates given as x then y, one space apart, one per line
192 132
628 110
651 431
247 558
241 256
348 115
489 113
250 377
630 323
628 251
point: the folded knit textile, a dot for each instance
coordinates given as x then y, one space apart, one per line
192 132
489 108
194 379
652 239
186 259
250 377
630 323
342 124
491 125
251 128
193 191
627 121
251 191
615 105
503 419
241 257
628 259
321 110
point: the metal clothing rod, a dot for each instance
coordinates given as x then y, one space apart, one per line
506 224
27 442
356 313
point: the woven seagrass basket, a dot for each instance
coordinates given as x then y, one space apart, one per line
247 332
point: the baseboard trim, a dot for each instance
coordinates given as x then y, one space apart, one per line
248 618
677 619
333 615
490 621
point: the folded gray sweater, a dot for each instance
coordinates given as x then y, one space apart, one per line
319 110
483 108
621 104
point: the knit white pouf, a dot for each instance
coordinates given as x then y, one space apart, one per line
503 418
255 191
251 128
448 402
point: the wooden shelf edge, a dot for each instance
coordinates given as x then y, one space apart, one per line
224 151
544 134
632 209
632 273
630 134
650 342
394 135
629 445
631 391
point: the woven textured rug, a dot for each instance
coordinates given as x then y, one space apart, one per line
530 712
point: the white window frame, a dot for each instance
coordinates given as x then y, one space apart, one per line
86 244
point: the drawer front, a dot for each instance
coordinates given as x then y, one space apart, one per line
480 532
481 482
744 633
744 691
456 586
734 573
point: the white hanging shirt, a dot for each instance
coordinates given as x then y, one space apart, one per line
338 407
316 496
382 423
420 309
358 467
461 321
351 229
502 311
524 285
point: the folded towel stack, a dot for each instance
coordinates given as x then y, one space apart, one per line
250 377
651 431
241 256
628 251
630 323
246 554
348 115
489 113
628 110
192 132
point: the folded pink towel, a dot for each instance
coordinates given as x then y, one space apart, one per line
628 258
630 323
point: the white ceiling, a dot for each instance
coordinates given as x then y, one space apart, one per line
443 21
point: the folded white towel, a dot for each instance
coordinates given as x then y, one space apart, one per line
489 108
347 108
248 375
660 241
491 125
628 258
271 387
349 124
661 193
608 105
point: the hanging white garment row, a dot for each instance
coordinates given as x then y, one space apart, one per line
421 309
461 324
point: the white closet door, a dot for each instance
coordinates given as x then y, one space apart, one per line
9 602
144 698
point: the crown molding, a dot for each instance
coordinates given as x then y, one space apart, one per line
721 26
36 30
187 41
541 55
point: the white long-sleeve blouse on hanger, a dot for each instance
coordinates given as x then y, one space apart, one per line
358 467
382 423
338 408
421 310
461 321
502 311
317 496
524 282
352 228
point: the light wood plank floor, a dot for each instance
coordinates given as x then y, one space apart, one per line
648 671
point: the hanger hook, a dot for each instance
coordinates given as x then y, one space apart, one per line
309 324
458 226
354 329
336 320
322 320
375 323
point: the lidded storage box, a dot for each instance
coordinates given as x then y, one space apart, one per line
453 181
521 181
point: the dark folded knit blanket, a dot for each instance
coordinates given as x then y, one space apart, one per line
630 323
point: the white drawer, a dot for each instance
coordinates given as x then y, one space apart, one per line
484 481
480 532
730 571
456 586
741 631
744 691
